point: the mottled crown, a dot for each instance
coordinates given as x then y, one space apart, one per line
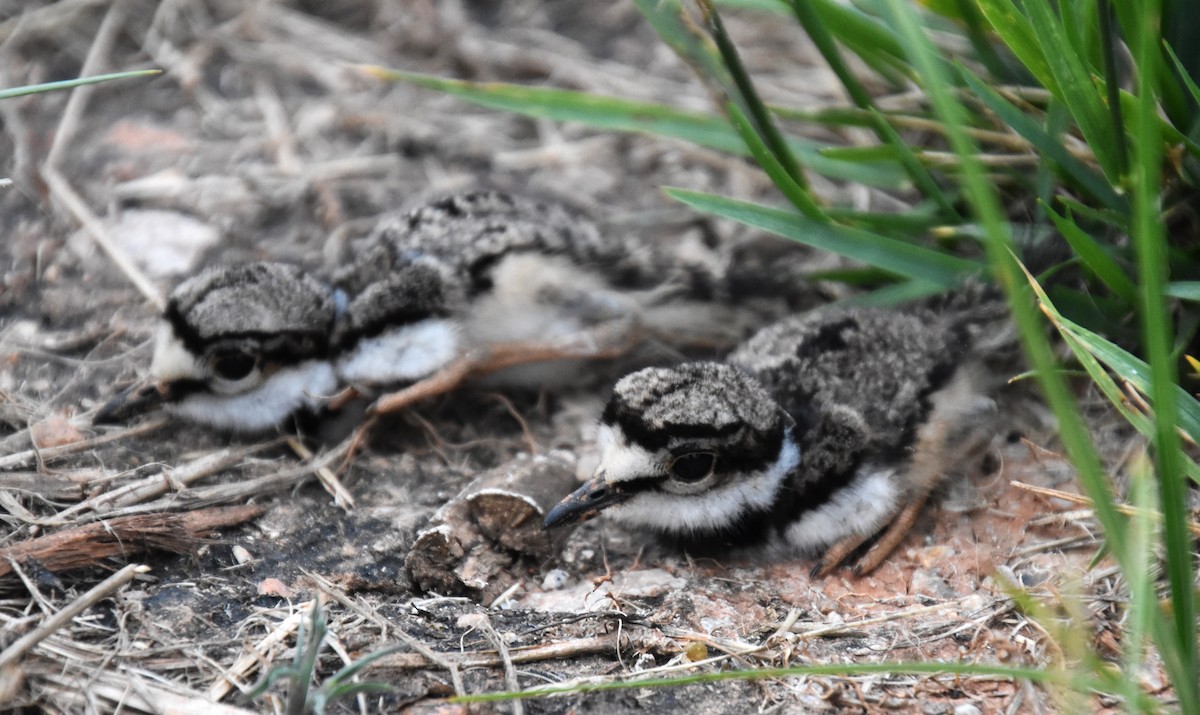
696 401
268 302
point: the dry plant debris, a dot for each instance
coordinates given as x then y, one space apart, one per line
257 142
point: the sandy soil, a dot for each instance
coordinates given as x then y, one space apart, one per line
260 142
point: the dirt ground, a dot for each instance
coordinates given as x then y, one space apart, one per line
261 142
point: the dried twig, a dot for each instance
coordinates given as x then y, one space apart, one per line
510 672
427 654
341 496
259 653
172 479
88 545
561 650
22 459
1125 509
127 693
97 593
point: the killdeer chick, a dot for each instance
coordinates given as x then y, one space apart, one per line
820 431
240 348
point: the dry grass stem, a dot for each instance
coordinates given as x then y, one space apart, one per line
259 654
1074 498
47 454
341 496
51 625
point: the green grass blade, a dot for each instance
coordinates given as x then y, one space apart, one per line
1094 256
895 256
1149 241
796 193
748 100
611 113
974 23
1130 368
1076 88
1015 30
1139 553
918 220
896 294
1112 88
873 42
999 246
71 83
772 6
1182 72
807 14
1048 145
1084 346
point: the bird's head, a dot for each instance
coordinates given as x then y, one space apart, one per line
686 451
239 347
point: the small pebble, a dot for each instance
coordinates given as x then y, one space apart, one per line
554 580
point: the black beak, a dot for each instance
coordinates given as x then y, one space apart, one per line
135 399
585 502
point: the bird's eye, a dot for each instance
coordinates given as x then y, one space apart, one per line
693 467
234 365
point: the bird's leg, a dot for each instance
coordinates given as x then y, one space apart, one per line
836 554
901 524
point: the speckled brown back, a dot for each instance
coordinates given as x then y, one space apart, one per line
879 364
470 232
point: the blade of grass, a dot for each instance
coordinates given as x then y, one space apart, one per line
794 192
70 83
1076 89
747 98
917 220
1138 373
1094 256
889 254
1187 290
807 14
1035 675
873 42
895 294
1149 243
1129 367
1140 553
1112 88
1015 31
1083 349
1049 146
